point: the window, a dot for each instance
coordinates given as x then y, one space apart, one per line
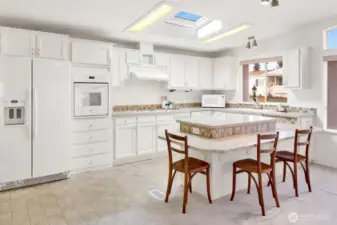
331 38
187 16
264 82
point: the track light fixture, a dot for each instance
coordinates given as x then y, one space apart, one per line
251 42
272 3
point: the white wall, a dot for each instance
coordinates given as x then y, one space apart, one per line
137 92
310 35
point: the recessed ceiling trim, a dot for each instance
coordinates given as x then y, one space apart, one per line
227 33
158 12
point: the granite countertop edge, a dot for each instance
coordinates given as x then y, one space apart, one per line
228 110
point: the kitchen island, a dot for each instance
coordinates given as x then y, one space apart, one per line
222 152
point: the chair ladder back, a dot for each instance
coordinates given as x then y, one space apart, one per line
306 143
272 150
179 140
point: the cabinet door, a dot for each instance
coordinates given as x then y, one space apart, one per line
90 52
177 78
219 70
291 68
17 42
125 141
163 59
192 72
132 56
146 138
52 46
117 77
161 144
205 74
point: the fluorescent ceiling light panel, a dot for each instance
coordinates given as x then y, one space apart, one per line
227 33
150 18
209 29
187 16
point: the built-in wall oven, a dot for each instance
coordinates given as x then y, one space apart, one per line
91 96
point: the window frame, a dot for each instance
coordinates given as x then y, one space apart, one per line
325 37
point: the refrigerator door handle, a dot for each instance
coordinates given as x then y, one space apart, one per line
35 113
28 111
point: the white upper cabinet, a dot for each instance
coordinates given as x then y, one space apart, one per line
91 52
296 73
119 66
132 56
192 72
177 78
52 46
205 74
163 59
225 73
28 43
17 42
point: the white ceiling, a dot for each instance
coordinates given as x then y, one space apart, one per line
107 19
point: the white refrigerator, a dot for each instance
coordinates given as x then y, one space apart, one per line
35 116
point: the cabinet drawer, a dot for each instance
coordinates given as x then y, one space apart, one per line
91 136
126 120
88 125
165 118
90 149
182 116
91 161
146 119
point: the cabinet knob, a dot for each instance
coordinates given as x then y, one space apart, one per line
90 150
90 125
90 162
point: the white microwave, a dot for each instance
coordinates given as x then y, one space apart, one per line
91 98
213 101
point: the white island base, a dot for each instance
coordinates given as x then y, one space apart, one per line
222 153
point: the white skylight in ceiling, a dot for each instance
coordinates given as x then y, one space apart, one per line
210 28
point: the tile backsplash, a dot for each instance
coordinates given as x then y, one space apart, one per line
153 106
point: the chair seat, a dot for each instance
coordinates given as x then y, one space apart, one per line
289 156
250 165
193 165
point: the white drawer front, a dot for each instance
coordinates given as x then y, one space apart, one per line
91 136
165 118
146 119
91 162
126 120
87 125
90 149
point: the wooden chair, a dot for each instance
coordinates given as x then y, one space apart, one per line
252 166
188 165
295 158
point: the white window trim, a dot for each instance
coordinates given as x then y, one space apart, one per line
325 36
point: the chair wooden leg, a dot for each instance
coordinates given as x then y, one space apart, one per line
307 174
274 189
249 183
169 185
234 183
185 192
208 181
190 183
284 171
295 179
260 192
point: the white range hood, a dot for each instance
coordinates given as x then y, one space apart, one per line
147 69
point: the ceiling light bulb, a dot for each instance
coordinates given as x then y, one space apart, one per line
254 44
265 2
275 3
248 44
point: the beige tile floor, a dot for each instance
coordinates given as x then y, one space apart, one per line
119 196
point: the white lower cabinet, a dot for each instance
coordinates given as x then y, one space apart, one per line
146 138
125 141
91 144
161 127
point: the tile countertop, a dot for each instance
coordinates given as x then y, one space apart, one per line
261 112
226 144
228 119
